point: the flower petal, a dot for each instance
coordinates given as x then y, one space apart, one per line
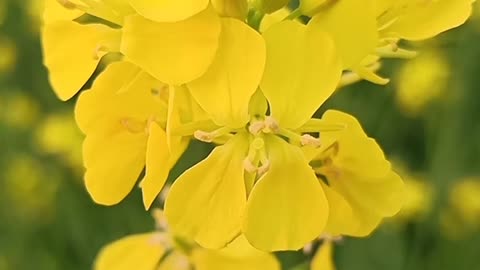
53 11
114 158
158 164
113 115
239 255
224 91
168 10
174 53
301 68
287 207
207 201
355 37
427 19
84 49
132 252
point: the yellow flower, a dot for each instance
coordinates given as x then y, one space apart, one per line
462 215
418 199
160 250
421 81
124 117
360 186
168 49
57 134
381 24
323 259
258 183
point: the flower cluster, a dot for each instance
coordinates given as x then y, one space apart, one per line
158 74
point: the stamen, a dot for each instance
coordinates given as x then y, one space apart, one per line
160 219
370 75
209 137
161 239
203 136
256 127
271 125
308 139
190 128
249 166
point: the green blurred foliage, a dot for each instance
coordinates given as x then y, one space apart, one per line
48 221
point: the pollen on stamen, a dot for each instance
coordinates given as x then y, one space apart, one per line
308 139
248 166
256 127
271 125
203 136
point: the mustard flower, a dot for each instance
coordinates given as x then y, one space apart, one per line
167 48
380 25
161 250
358 181
125 122
257 182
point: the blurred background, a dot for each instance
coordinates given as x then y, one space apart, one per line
427 120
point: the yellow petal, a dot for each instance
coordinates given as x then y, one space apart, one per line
355 37
207 201
174 53
132 252
158 164
274 18
54 11
121 91
287 207
182 109
71 61
114 158
426 19
358 154
323 259
370 201
239 255
168 10
341 219
302 71
225 90
114 149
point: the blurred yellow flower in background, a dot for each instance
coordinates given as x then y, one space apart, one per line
58 134
161 250
31 188
462 215
19 110
422 80
419 195
8 54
